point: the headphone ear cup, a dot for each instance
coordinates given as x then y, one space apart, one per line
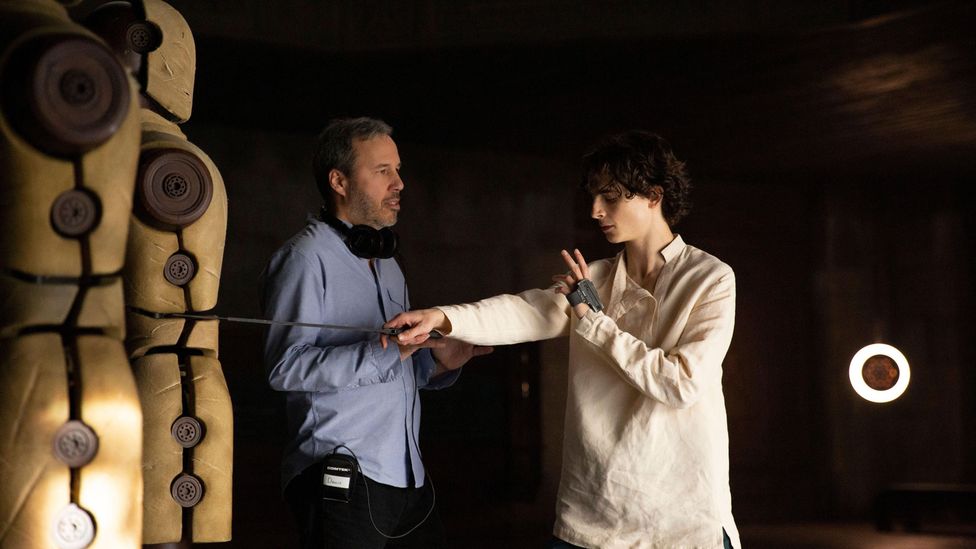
363 240
388 243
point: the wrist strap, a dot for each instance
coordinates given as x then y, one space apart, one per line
585 292
575 297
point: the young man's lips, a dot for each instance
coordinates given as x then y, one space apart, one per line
605 228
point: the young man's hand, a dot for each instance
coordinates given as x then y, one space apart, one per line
449 354
419 324
578 270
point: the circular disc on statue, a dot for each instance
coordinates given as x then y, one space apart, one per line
65 94
74 213
73 528
187 490
179 269
188 431
143 37
174 188
75 444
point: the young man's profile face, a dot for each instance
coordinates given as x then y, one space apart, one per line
621 219
375 184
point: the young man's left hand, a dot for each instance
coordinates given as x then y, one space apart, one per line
578 270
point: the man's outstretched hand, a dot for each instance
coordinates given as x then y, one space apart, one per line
455 353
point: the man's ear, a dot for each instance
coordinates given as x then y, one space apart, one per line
339 183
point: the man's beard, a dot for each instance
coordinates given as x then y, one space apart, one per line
360 206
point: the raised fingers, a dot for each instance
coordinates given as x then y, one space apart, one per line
573 267
584 268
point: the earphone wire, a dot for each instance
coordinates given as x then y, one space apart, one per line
433 490
369 507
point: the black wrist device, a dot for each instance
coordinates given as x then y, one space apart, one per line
585 292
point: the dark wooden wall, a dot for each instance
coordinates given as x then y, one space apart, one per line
832 161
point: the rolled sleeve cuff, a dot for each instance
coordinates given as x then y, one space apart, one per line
426 366
588 326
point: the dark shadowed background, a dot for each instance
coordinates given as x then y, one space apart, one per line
833 149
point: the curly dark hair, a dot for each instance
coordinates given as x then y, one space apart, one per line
640 162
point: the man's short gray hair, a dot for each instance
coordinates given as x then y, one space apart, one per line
334 149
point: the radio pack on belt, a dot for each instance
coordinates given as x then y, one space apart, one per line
339 477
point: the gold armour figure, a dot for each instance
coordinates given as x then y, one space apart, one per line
173 262
70 419
104 230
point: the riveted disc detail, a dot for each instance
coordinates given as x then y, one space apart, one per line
65 94
73 528
187 490
188 431
179 269
174 188
75 213
75 444
143 37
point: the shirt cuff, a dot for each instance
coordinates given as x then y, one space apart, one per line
589 328
386 361
426 366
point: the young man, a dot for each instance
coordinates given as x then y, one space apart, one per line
645 452
346 391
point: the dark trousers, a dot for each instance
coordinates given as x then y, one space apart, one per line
338 525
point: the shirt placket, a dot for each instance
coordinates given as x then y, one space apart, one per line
412 461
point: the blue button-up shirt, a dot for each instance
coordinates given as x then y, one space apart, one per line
342 387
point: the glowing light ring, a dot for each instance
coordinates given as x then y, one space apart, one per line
857 378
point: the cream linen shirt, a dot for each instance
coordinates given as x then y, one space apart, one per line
645 451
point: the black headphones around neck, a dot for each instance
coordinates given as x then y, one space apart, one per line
363 240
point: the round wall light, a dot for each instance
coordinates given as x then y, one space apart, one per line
879 373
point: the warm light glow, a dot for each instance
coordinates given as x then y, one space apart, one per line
857 376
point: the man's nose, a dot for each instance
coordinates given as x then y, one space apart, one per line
397 183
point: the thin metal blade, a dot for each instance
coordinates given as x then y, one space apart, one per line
385 331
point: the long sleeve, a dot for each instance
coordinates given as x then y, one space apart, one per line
676 376
301 358
506 319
